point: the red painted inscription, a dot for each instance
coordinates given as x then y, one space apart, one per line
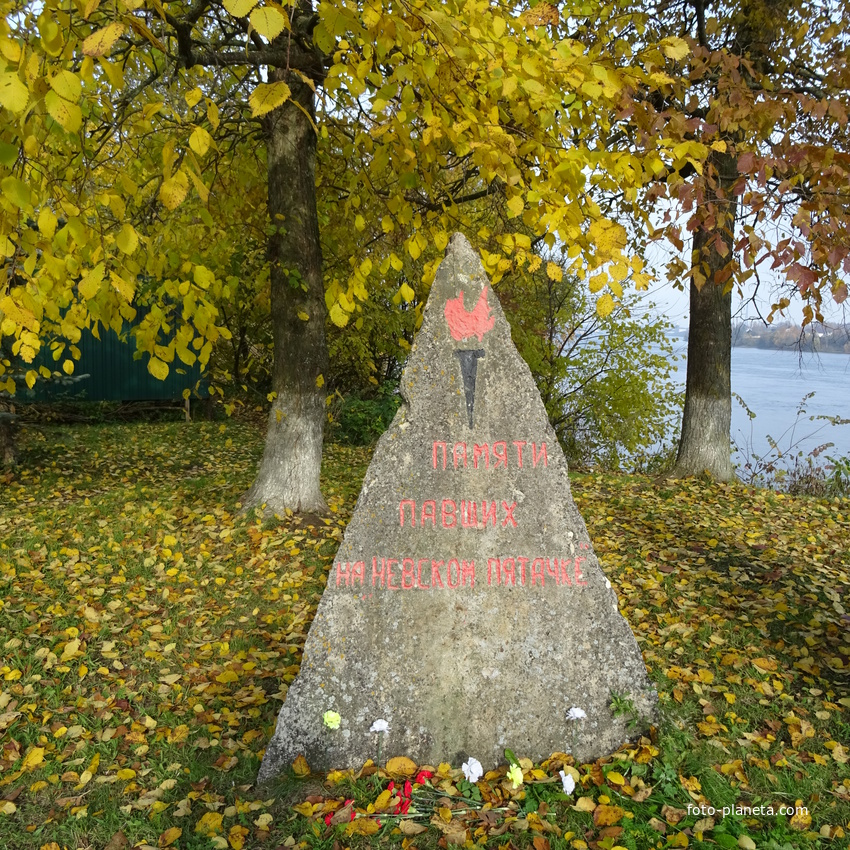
457 573
488 455
407 574
533 572
452 514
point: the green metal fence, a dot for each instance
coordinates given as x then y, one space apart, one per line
113 374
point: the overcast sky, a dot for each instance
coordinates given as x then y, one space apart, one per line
674 304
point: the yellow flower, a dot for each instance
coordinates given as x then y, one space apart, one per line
331 719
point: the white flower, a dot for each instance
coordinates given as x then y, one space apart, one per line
380 726
567 781
472 770
515 775
576 713
331 719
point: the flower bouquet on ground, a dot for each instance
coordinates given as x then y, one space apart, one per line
471 804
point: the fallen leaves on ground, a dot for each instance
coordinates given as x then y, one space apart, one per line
150 630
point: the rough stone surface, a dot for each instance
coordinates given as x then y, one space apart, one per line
525 625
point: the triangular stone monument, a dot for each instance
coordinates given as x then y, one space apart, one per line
465 606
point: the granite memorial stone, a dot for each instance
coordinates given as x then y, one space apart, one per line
465 605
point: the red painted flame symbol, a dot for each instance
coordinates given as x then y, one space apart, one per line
464 324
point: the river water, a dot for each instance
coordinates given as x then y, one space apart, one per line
773 383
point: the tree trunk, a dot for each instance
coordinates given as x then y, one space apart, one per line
289 472
705 445
8 452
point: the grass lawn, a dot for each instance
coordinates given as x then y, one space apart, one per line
148 633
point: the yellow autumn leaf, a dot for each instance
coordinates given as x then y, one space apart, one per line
209 824
71 648
7 807
597 282
126 773
89 286
618 271
173 190
200 141
158 368
585 804
33 758
14 95
675 48
362 826
801 819
401 766
515 206
269 21
67 85
47 222
227 676
268 96
19 194
178 734
99 43
125 289
338 316
300 766
239 8
407 292
68 115
606 815
616 778
607 236
554 271
605 305
306 808
237 836
127 240
383 799
169 836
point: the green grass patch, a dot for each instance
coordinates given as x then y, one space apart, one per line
149 630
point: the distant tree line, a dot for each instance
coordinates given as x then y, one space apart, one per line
789 336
